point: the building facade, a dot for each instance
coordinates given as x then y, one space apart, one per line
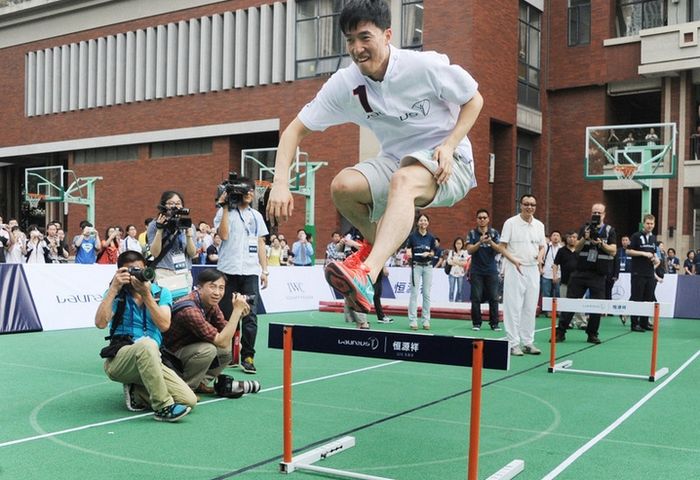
166 94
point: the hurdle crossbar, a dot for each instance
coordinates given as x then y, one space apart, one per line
391 345
616 307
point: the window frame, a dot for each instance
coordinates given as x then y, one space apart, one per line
528 91
576 11
405 4
341 58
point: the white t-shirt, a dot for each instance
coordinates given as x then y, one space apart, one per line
239 254
415 106
14 254
524 239
550 254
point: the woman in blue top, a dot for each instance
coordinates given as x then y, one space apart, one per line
172 246
420 248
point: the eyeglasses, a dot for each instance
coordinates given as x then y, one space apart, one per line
482 218
533 205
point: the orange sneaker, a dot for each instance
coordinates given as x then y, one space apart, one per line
353 282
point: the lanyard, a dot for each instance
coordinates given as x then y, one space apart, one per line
245 225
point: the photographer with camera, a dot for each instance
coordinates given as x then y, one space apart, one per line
242 255
87 244
137 312
171 242
199 335
596 250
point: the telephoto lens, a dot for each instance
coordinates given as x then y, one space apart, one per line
250 386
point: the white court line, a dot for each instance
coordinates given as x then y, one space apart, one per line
133 417
591 443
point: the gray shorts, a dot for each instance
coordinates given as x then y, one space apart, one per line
378 172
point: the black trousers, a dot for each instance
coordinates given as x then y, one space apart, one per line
484 287
643 290
247 285
579 282
378 295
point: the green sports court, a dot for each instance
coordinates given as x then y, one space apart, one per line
61 418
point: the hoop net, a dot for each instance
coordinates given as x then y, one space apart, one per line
625 172
33 199
261 186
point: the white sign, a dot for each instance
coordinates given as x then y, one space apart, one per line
67 296
400 279
294 289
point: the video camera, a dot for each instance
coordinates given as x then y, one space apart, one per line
250 299
594 225
236 187
176 217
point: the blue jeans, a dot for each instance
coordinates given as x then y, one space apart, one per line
456 288
484 287
549 288
422 279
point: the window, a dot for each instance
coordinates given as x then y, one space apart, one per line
320 45
107 154
182 148
412 24
529 56
579 22
635 15
523 179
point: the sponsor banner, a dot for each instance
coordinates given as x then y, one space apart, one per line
400 280
17 312
67 296
411 347
687 296
294 289
665 291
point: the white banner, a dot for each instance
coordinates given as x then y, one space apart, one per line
67 296
665 291
614 307
294 289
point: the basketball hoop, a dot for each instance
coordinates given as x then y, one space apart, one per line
33 199
261 186
625 172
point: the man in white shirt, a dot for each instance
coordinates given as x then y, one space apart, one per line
242 258
523 237
420 107
550 283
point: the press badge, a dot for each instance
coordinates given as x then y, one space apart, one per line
592 255
252 246
179 262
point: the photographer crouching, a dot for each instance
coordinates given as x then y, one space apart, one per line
170 239
595 251
199 335
137 312
242 256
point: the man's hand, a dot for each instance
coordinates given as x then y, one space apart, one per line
121 278
240 304
444 155
280 204
143 288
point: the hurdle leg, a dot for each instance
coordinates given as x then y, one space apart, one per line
653 374
287 397
553 338
475 417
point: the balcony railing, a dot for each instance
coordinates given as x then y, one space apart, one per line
636 15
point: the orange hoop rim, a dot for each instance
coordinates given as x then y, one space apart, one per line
625 171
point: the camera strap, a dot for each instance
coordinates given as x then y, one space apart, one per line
118 316
167 244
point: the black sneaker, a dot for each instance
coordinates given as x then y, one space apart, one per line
248 366
385 320
130 400
172 413
495 327
593 339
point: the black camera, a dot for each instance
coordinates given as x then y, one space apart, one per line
176 217
236 187
593 226
143 274
250 299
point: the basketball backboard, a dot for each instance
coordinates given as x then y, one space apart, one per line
45 183
641 151
259 164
